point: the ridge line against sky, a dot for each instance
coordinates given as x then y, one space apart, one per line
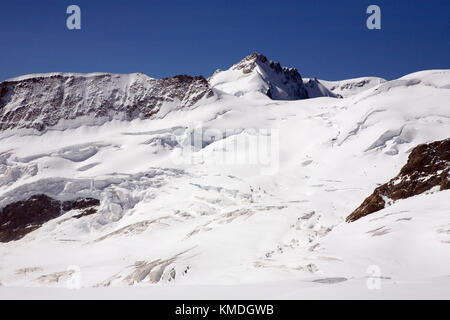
324 39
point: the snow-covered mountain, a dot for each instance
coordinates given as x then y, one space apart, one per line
236 186
256 74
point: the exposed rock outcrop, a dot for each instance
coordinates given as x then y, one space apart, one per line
41 101
22 217
427 167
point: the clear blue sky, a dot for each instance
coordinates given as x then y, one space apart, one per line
326 39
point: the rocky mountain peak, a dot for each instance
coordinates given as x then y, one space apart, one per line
277 82
249 63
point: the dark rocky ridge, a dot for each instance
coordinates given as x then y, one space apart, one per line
351 85
41 101
22 217
427 167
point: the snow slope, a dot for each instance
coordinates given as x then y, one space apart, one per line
316 89
176 213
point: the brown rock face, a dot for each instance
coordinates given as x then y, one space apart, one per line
427 167
20 218
42 101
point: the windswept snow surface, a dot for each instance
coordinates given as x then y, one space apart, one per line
226 218
349 87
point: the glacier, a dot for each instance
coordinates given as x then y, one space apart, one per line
177 219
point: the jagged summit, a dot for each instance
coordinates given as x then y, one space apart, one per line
257 59
256 73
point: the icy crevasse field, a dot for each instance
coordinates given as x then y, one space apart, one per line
225 220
